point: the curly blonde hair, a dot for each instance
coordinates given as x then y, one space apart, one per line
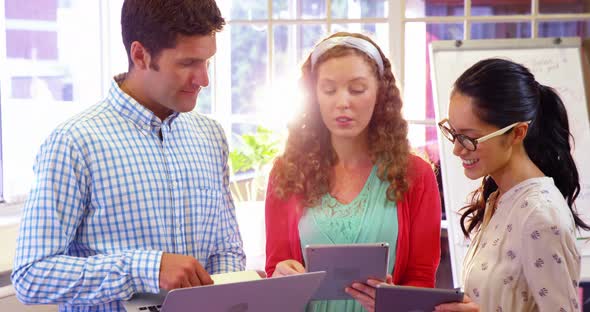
304 167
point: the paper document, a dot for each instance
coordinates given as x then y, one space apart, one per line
235 277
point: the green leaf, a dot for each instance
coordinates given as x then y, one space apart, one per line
255 151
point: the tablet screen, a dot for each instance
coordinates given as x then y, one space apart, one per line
346 264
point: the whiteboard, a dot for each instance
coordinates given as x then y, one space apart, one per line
554 62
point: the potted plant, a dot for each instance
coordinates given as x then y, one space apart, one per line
253 159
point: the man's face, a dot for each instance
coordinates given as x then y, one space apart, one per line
173 80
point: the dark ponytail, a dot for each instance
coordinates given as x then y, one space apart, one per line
505 92
550 148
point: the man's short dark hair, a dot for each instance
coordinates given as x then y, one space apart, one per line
156 24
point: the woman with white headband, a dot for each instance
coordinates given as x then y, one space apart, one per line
347 175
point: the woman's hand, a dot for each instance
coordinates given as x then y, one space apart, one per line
288 267
365 293
467 305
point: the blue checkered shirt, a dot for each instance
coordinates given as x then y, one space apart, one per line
110 196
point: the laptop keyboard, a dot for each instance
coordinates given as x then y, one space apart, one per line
154 308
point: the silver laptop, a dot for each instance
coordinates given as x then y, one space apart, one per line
285 294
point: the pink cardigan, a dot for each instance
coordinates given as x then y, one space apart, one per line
418 242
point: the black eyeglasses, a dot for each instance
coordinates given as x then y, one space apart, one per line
465 141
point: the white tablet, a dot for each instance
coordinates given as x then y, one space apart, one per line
346 264
390 298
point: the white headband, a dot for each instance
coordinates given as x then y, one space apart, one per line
353 42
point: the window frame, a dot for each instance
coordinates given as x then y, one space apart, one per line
222 100
12 184
3 79
109 16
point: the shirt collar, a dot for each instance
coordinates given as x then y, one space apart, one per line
132 110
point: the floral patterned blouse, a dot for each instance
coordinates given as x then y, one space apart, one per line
524 256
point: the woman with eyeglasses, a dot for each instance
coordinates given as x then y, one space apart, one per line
514 132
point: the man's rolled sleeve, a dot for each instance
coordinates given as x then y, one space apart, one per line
145 269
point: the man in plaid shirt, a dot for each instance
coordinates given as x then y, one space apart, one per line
132 195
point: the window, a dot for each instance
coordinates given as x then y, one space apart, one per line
262 49
50 70
425 21
57 57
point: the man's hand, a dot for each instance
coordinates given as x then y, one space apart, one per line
288 267
180 271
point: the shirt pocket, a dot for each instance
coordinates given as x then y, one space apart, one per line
201 219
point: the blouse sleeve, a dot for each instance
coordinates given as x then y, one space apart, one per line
551 262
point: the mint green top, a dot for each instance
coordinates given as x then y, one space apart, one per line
369 218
